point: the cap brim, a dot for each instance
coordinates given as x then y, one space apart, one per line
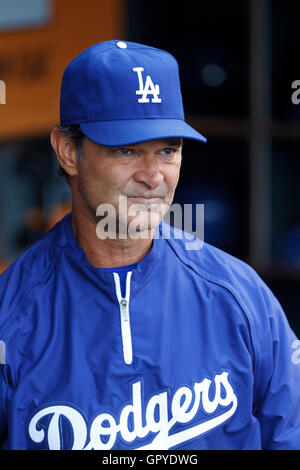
131 131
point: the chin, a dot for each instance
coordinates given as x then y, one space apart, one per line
143 226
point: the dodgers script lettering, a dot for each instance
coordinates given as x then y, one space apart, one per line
152 417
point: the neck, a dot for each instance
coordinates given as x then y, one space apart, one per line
107 253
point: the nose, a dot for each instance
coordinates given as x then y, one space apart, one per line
149 172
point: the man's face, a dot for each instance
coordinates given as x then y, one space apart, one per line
144 176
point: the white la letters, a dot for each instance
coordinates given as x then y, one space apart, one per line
148 89
185 406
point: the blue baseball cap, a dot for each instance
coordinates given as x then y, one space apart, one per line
124 93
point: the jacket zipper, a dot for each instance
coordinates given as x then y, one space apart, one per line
124 316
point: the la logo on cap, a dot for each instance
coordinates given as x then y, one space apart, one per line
148 89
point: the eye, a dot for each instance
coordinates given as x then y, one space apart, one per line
124 151
168 151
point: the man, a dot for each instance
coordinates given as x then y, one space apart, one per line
113 334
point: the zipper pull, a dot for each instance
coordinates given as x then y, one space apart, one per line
124 309
124 316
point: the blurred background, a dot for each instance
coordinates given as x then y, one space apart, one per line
237 60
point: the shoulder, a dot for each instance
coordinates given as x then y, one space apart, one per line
207 260
210 264
28 271
259 309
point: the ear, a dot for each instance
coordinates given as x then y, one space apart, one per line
65 150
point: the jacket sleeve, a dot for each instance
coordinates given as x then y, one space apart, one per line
3 417
277 404
9 289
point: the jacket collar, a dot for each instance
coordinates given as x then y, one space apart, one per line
144 270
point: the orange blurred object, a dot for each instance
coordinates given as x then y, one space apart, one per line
32 61
57 213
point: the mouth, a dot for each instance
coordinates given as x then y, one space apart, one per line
149 203
146 200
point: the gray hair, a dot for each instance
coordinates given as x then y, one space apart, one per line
75 134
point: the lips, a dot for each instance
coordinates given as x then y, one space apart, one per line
150 204
146 200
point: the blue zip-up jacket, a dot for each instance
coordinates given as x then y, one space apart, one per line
194 353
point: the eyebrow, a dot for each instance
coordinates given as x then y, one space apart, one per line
174 143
